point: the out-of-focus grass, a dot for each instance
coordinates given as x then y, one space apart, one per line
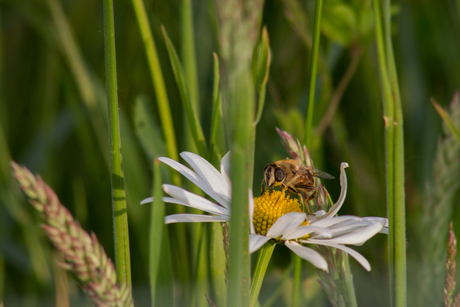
47 125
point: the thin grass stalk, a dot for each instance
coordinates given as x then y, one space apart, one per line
194 126
265 255
120 214
61 283
394 170
309 117
156 231
400 207
313 71
179 232
216 118
158 84
188 51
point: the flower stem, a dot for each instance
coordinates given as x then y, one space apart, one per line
313 71
296 280
120 215
259 272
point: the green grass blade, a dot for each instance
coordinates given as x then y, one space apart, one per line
188 52
120 215
190 109
261 69
313 72
216 119
218 264
399 171
156 231
296 280
158 84
394 150
259 273
447 120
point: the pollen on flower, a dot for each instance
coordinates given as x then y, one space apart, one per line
269 206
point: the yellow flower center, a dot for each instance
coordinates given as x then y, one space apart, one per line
269 206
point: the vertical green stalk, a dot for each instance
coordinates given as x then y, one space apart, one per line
399 192
394 149
313 71
158 84
296 280
120 214
242 103
156 231
259 273
309 120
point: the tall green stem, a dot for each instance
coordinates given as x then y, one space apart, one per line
120 214
394 149
259 273
313 71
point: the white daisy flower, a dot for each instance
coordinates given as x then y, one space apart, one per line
271 222
274 216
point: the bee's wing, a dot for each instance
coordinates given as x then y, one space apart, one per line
313 172
320 174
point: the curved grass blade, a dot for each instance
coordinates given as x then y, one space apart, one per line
190 110
120 215
260 69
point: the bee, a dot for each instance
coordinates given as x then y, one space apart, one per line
294 177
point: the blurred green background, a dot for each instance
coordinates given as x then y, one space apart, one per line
53 120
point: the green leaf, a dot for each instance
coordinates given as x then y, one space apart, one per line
160 275
190 111
260 69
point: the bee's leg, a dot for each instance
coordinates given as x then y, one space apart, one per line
262 187
305 203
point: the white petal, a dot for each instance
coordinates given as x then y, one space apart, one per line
147 200
225 168
301 231
193 218
193 177
195 201
251 212
360 258
284 223
343 193
308 254
358 237
256 242
334 220
209 174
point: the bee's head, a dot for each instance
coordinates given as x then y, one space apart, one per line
273 175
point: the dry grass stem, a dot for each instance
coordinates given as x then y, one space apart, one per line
81 252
